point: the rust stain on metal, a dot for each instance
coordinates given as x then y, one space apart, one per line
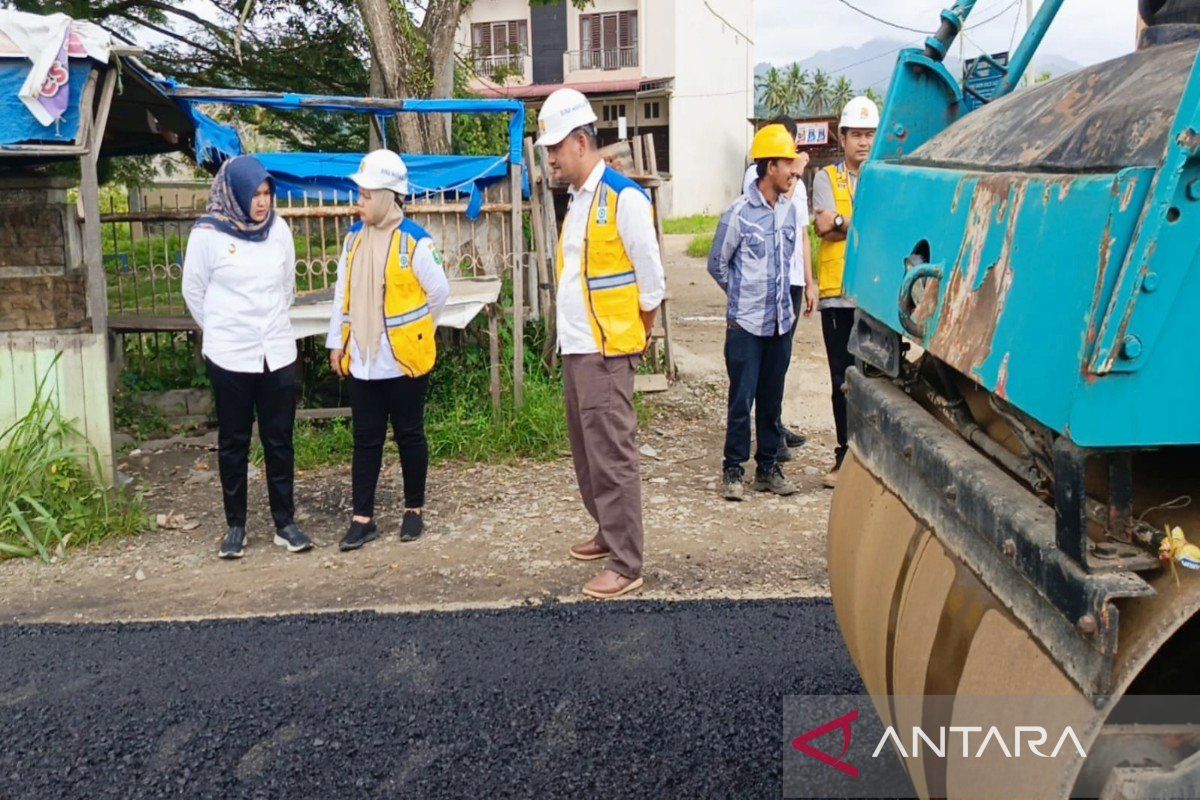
975 292
1107 240
1002 378
1189 139
1127 197
958 190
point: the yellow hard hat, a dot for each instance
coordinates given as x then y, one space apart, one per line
773 141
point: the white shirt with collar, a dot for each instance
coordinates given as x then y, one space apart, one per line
427 267
240 292
635 226
800 209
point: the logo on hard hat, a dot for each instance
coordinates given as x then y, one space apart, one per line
864 112
542 125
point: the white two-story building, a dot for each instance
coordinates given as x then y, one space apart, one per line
681 70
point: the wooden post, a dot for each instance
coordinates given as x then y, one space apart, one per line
540 242
95 281
664 312
551 229
518 256
494 355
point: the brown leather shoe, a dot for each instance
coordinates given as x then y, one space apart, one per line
591 550
830 479
609 584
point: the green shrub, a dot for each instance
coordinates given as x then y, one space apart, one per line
49 500
699 246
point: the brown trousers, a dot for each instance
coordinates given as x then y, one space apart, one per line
602 426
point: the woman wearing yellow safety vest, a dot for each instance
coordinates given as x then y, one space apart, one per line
390 289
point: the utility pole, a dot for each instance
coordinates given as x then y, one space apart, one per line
1030 10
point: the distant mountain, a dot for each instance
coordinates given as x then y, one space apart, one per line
870 65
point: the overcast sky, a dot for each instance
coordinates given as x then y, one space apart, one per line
1085 31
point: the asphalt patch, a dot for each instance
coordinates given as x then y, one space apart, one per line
628 699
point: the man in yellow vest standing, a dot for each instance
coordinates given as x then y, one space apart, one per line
833 205
610 284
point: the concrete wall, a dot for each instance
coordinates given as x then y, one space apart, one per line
44 335
41 275
711 103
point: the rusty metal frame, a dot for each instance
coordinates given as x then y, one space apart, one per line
996 527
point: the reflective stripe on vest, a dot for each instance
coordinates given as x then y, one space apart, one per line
406 316
831 262
608 280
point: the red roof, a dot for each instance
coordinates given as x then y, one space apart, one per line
539 90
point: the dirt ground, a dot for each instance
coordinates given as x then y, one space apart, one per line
496 535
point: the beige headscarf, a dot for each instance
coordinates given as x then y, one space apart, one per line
381 218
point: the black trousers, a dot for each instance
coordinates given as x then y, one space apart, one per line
373 404
756 366
271 396
797 293
836 324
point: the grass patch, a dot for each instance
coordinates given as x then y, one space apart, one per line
700 246
49 500
697 223
460 423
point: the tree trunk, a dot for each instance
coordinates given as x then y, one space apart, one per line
399 62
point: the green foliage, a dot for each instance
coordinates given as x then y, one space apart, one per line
697 223
700 246
49 500
794 91
459 419
476 135
842 93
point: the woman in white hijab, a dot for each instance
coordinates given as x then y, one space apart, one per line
390 289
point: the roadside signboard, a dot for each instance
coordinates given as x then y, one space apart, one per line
982 78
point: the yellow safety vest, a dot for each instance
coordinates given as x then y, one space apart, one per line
610 291
831 265
406 316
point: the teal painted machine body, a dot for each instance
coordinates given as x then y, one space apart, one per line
1045 245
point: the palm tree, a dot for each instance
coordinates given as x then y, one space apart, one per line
798 82
819 93
773 92
874 97
843 92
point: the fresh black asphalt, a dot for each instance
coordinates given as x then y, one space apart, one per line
618 700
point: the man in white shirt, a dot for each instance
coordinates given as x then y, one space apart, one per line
610 285
803 286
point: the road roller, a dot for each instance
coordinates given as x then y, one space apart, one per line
1016 513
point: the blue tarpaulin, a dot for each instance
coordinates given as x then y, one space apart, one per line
315 174
322 174
17 123
287 101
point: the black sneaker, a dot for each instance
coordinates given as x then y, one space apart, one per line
412 526
784 454
234 543
293 539
359 534
793 439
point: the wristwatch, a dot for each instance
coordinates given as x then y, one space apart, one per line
839 222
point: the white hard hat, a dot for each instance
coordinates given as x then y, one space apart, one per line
382 169
564 111
861 112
